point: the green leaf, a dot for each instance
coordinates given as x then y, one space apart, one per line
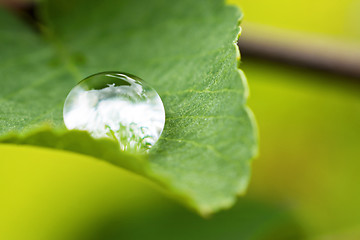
184 49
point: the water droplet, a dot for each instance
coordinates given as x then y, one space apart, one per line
118 106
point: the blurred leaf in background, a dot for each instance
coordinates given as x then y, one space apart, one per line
49 194
309 118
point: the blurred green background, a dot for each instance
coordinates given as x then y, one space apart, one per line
304 183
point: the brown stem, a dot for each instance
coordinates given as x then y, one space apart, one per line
336 56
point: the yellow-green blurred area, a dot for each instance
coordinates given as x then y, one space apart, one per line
305 182
335 18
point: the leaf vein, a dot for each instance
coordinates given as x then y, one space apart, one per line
206 146
35 83
205 117
236 91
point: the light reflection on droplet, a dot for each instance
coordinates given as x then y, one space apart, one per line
118 106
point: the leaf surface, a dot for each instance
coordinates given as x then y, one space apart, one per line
184 49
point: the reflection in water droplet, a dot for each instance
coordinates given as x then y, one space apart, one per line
119 106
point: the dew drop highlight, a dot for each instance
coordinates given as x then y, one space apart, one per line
119 106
